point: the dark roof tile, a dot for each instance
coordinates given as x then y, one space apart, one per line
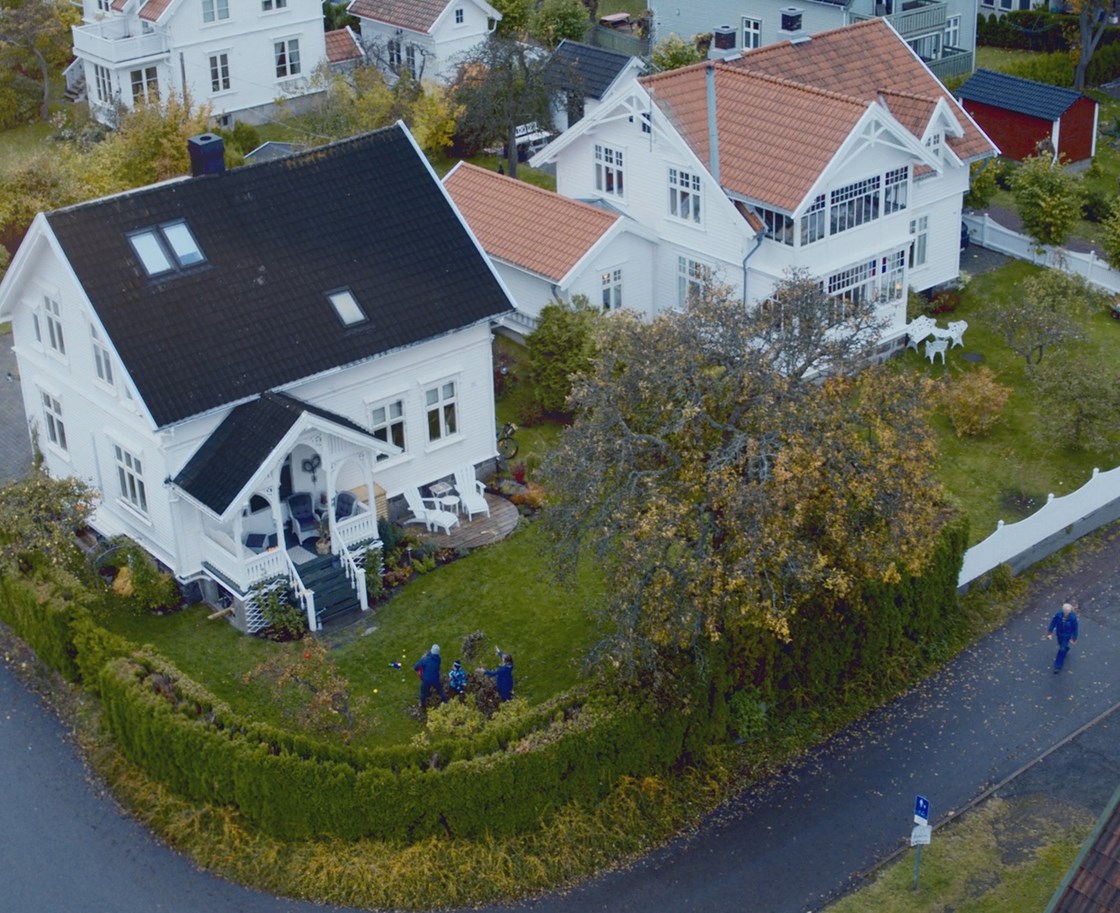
1013 93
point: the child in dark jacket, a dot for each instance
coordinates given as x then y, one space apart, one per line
503 677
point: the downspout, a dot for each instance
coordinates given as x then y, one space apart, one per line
750 253
713 133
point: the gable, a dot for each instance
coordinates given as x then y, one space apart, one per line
414 15
365 215
596 69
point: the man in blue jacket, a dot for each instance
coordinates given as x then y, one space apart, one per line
427 667
503 677
1063 624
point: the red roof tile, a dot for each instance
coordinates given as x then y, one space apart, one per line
153 9
509 217
415 15
342 45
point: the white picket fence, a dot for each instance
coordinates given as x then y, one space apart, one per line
1057 523
987 232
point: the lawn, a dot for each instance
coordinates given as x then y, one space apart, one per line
1008 474
502 590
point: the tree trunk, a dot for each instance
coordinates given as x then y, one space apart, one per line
45 109
1091 25
511 152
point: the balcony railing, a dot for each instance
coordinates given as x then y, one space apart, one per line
916 17
110 41
952 62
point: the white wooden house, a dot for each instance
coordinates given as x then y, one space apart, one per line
239 56
840 153
203 349
422 36
547 247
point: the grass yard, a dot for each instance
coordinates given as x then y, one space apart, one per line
21 142
1008 474
501 590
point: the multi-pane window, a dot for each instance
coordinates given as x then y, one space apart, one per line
387 424
460 16
102 84
854 205
928 47
52 316
267 5
442 405
813 226
692 277
145 85
608 170
953 31
919 239
104 6
394 49
213 10
166 247
410 58
684 195
101 358
777 226
130 475
612 289
752 33
895 185
287 58
647 122
52 418
219 72
874 280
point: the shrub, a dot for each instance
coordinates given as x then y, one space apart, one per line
375 585
284 617
748 713
453 720
945 301
532 497
974 402
560 346
1096 204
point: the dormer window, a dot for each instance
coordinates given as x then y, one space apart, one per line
166 247
347 307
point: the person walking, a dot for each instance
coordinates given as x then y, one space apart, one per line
1064 625
427 667
503 677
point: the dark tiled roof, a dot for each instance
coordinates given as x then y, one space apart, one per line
595 68
365 214
223 465
1024 96
1093 883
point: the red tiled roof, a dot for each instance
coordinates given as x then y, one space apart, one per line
509 217
1094 885
415 15
860 60
119 5
765 151
342 45
153 9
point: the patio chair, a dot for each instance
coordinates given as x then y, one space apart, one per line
472 493
430 516
956 332
935 347
918 329
345 505
305 525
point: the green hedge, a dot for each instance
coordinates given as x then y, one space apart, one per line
41 612
1039 30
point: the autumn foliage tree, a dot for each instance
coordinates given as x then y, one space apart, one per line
1048 312
722 494
1048 199
38 518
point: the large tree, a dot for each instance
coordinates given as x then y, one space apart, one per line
555 20
500 85
1048 312
1092 19
1048 199
35 34
723 494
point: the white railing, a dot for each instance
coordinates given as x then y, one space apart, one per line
305 596
357 528
222 552
111 42
1054 525
987 232
356 574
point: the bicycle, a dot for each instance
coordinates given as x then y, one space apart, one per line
507 443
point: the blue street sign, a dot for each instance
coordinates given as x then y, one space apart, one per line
921 810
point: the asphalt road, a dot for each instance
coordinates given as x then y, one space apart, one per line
786 846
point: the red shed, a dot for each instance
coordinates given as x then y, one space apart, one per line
1018 114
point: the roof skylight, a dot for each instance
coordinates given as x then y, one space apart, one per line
347 307
166 247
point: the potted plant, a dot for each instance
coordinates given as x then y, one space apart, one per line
323 543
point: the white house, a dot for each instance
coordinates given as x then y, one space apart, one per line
205 349
941 32
587 74
794 155
422 36
240 56
547 247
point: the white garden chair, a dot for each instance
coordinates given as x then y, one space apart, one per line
956 332
432 516
918 329
472 493
935 347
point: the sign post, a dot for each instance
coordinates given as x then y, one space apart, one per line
920 835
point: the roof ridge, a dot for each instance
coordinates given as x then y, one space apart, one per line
912 95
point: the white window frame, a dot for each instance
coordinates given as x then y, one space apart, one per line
390 425
611 285
145 85
814 221
919 241
692 277
854 204
52 324
441 406
777 226
685 196
285 53
103 84
394 53
752 33
410 58
460 16
53 421
609 172
130 478
102 361
219 72
270 6
215 10
879 279
896 185
953 31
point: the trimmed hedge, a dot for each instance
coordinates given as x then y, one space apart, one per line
1039 30
41 612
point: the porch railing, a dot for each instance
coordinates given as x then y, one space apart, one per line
356 574
352 530
305 596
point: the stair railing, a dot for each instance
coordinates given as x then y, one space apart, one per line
305 596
